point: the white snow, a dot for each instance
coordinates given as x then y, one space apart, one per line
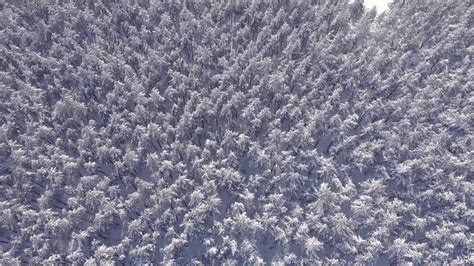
381 5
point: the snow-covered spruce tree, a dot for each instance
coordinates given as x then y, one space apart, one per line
209 132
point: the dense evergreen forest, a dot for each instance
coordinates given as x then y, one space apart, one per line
230 132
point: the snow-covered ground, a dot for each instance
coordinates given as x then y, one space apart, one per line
381 5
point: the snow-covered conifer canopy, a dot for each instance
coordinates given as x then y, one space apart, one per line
228 132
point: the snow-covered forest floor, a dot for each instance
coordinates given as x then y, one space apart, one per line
212 132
